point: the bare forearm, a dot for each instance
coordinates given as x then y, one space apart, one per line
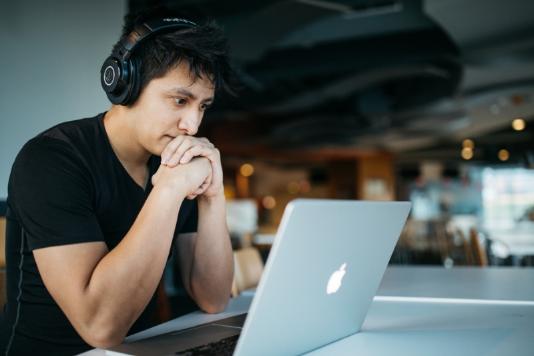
212 270
126 278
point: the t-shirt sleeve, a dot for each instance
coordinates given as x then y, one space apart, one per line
52 195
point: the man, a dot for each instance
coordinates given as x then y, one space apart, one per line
95 205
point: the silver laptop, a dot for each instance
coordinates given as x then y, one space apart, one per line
323 270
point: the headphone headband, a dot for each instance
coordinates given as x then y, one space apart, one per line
147 29
119 74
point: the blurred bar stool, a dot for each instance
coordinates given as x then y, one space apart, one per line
480 257
248 267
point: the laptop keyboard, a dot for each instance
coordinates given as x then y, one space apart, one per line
222 347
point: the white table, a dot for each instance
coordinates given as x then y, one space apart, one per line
426 310
477 283
517 242
430 328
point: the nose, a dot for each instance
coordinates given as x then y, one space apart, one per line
190 121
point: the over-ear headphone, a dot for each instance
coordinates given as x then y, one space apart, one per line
119 74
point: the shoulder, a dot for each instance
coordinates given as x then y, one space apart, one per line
61 151
76 133
72 139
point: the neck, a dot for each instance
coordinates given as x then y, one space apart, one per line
118 123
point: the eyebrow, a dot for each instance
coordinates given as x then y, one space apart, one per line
189 94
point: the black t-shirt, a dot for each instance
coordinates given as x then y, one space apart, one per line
66 186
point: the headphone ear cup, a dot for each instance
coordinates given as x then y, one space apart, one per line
114 77
134 82
109 75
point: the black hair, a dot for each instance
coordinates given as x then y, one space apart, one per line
204 47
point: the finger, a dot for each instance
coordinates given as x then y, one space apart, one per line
194 152
207 142
174 159
186 145
206 182
201 190
171 148
205 186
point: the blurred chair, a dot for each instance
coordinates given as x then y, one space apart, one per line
248 267
463 247
442 240
420 242
474 250
480 257
459 239
462 222
242 221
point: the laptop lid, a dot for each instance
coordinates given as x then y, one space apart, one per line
323 270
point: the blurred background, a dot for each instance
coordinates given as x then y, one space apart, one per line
430 101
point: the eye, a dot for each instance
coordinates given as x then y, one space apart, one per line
205 107
180 101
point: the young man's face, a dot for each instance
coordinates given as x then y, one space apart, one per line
170 106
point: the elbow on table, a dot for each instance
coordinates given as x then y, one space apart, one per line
104 337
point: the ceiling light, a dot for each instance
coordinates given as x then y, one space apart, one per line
518 124
467 153
468 143
269 202
504 155
246 170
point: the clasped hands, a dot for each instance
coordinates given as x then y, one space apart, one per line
195 163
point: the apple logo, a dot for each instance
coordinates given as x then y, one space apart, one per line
334 283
